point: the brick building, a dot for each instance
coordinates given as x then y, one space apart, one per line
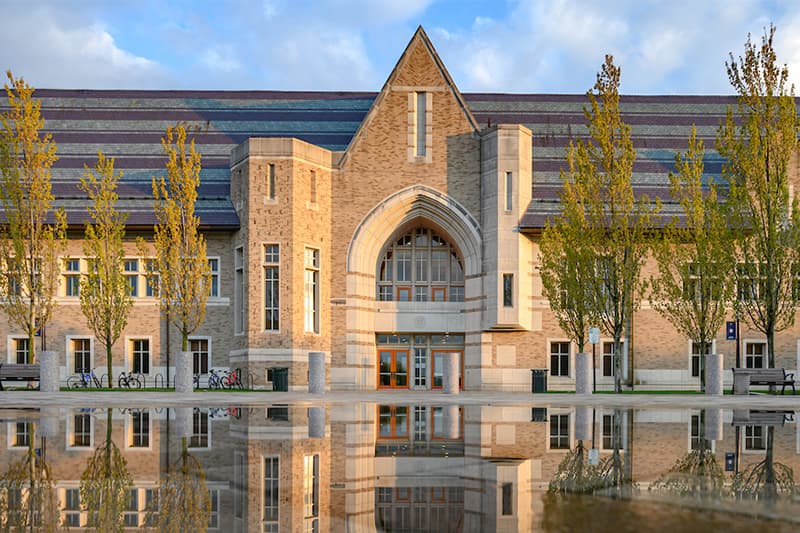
389 230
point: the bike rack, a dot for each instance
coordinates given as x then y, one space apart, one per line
158 381
106 378
251 380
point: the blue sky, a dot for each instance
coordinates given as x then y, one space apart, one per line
552 46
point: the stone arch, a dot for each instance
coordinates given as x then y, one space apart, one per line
403 208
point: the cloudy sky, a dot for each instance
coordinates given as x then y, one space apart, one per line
550 46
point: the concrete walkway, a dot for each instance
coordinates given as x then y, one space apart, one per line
124 398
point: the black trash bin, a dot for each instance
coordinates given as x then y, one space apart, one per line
280 379
539 381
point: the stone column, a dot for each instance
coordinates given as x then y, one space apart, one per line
450 421
316 372
183 418
49 422
48 371
316 422
583 373
583 422
741 382
183 372
450 373
713 428
714 374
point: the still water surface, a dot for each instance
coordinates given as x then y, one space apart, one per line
370 467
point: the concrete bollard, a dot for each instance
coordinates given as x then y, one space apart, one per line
583 423
316 422
450 422
48 371
183 372
741 383
450 373
583 373
49 422
316 372
184 420
714 374
713 429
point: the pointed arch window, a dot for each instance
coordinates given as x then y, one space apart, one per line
421 266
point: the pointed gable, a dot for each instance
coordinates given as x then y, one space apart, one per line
419 71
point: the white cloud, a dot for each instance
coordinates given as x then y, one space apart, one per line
221 59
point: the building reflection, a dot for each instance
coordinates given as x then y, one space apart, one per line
372 467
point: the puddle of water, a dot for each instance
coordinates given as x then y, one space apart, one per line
374 467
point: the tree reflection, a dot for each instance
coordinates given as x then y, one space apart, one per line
184 503
105 485
767 479
611 475
28 499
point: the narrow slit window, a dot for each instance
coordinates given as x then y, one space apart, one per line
509 190
508 290
421 123
271 180
313 184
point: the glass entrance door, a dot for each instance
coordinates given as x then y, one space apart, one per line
393 369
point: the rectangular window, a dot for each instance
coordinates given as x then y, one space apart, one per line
421 124
607 436
200 431
695 433
313 187
608 359
559 432
559 358
420 367
239 489
81 355
747 281
81 430
72 279
421 294
238 284
508 290
131 267
21 352
311 492
131 515
271 287
140 356
403 265
311 290
509 190
696 358
420 423
271 181
72 506
139 429
151 279
439 294
754 354
200 355
393 422
507 499
22 434
213 515
213 266
271 494
755 438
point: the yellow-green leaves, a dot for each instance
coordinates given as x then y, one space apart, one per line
33 236
180 249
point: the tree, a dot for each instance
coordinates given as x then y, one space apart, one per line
105 293
180 249
33 237
568 269
757 145
610 224
695 256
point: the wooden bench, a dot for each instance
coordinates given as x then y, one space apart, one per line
744 377
18 373
761 418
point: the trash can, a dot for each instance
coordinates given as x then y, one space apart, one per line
539 380
280 379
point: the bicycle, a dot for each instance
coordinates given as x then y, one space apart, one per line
232 379
129 381
84 380
214 380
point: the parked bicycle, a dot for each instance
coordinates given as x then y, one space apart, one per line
129 380
84 380
232 379
214 380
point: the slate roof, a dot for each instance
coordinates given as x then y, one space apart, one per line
128 126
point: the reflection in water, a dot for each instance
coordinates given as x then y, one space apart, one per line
106 483
367 467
